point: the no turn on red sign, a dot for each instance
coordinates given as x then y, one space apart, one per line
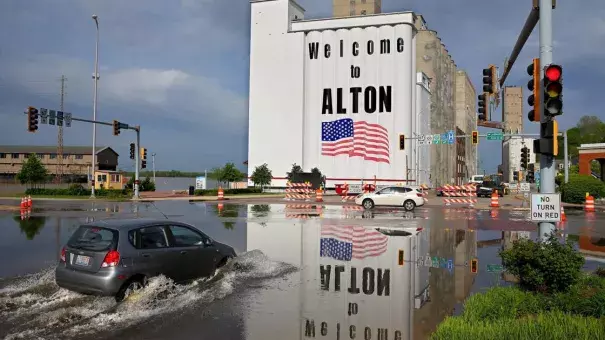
546 207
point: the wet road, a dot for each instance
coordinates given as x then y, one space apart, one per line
284 284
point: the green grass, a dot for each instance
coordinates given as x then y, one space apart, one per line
511 313
543 326
74 197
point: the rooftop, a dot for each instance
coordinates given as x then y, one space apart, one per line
129 222
28 149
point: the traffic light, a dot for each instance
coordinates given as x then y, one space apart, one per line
524 157
474 266
143 153
401 142
489 79
530 173
483 106
553 89
548 144
32 119
475 137
534 86
131 150
116 127
515 176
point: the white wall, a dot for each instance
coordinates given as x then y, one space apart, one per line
287 95
511 149
423 127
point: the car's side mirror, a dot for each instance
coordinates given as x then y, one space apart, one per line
208 242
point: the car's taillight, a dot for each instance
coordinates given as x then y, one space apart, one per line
418 229
111 259
419 194
62 258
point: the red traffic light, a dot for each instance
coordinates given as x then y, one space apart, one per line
553 72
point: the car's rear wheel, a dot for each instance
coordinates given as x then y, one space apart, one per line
130 288
368 203
409 205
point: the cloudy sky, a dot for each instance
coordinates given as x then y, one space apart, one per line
180 68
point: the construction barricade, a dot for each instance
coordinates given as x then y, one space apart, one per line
298 191
459 194
345 194
303 211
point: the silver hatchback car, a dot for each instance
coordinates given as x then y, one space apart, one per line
116 257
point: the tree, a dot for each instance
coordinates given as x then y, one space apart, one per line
589 129
31 226
216 174
32 171
323 178
147 185
261 175
296 169
232 174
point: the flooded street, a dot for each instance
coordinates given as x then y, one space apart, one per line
398 278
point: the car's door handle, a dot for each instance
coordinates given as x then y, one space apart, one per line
183 252
146 255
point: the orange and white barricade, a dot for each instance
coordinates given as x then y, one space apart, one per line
221 194
459 194
303 211
589 203
345 194
298 191
494 203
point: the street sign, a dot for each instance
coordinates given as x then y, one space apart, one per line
420 139
494 268
444 138
428 139
67 118
495 136
59 118
52 115
451 137
525 187
436 139
43 116
546 207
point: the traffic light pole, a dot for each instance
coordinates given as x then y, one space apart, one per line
547 166
137 160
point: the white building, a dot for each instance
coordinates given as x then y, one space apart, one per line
422 153
334 93
511 152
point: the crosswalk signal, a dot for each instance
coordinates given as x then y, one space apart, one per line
401 142
474 266
534 86
32 119
489 79
116 127
553 88
132 150
548 144
483 107
475 137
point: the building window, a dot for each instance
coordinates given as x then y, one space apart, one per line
79 156
363 12
52 156
115 178
352 3
25 155
2 155
40 155
65 156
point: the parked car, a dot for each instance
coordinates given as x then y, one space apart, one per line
117 257
486 188
405 197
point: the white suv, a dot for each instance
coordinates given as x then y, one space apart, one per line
406 197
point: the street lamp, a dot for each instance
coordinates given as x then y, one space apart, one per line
95 76
153 165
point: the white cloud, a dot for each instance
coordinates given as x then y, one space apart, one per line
144 85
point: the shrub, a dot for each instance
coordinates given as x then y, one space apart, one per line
501 302
575 190
543 266
550 325
214 192
77 191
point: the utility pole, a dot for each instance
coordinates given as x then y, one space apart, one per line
59 171
547 166
565 154
153 165
137 160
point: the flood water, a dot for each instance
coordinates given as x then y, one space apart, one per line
288 282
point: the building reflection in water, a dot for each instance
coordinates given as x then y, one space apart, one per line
508 238
591 246
352 283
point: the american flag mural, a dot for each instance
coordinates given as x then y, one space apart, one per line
355 139
344 243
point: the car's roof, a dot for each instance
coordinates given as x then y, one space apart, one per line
129 223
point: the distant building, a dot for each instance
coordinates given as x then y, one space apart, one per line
512 114
76 159
349 8
466 121
511 154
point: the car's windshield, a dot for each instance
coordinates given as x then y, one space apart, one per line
93 238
